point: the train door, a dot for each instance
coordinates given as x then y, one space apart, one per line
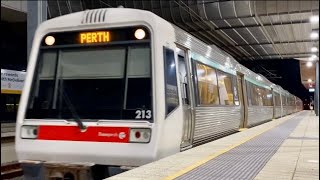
243 100
184 67
273 103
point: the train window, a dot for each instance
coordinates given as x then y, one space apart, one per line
171 87
94 81
183 79
207 85
267 97
139 93
9 107
249 93
256 95
283 98
225 88
277 99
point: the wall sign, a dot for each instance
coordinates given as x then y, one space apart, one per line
12 81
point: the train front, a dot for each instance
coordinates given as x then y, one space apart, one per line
87 102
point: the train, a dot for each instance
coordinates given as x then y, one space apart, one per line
112 89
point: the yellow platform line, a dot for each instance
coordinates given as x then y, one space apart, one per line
242 129
199 163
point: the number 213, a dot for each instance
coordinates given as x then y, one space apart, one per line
143 114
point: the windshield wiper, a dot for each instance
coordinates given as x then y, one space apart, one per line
59 87
73 111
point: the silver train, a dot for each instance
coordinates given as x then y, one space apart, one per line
123 87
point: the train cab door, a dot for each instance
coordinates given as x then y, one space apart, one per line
243 101
184 69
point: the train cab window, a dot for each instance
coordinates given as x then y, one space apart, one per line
97 82
207 85
171 87
139 93
225 88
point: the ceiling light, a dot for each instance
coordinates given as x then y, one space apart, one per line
314 19
314 49
309 80
313 57
309 64
314 35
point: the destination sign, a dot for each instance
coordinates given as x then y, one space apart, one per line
100 36
94 37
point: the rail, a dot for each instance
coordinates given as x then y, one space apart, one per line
8 129
11 170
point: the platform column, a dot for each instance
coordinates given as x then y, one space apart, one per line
37 13
316 93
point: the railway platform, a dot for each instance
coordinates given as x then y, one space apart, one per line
282 149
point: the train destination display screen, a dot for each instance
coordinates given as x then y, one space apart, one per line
92 37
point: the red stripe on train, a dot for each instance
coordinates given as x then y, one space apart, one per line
73 133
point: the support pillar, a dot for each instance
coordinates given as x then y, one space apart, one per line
316 93
37 13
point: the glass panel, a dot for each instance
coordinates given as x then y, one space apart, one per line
207 85
92 79
257 93
225 88
139 92
172 100
277 99
249 93
93 63
267 97
183 79
9 107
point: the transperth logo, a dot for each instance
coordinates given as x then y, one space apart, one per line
121 135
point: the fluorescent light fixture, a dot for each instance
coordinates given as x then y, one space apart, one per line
311 90
314 19
309 64
313 57
314 35
314 49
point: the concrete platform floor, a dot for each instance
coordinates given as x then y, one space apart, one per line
296 159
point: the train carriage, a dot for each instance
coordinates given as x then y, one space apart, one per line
119 88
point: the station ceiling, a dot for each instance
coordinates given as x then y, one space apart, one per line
247 30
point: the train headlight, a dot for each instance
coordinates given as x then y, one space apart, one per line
49 40
29 132
139 34
140 135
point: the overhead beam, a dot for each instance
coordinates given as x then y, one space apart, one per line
286 42
247 16
266 25
306 54
256 25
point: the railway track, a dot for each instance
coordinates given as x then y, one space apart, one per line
11 171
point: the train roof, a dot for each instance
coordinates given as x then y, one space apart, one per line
101 16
